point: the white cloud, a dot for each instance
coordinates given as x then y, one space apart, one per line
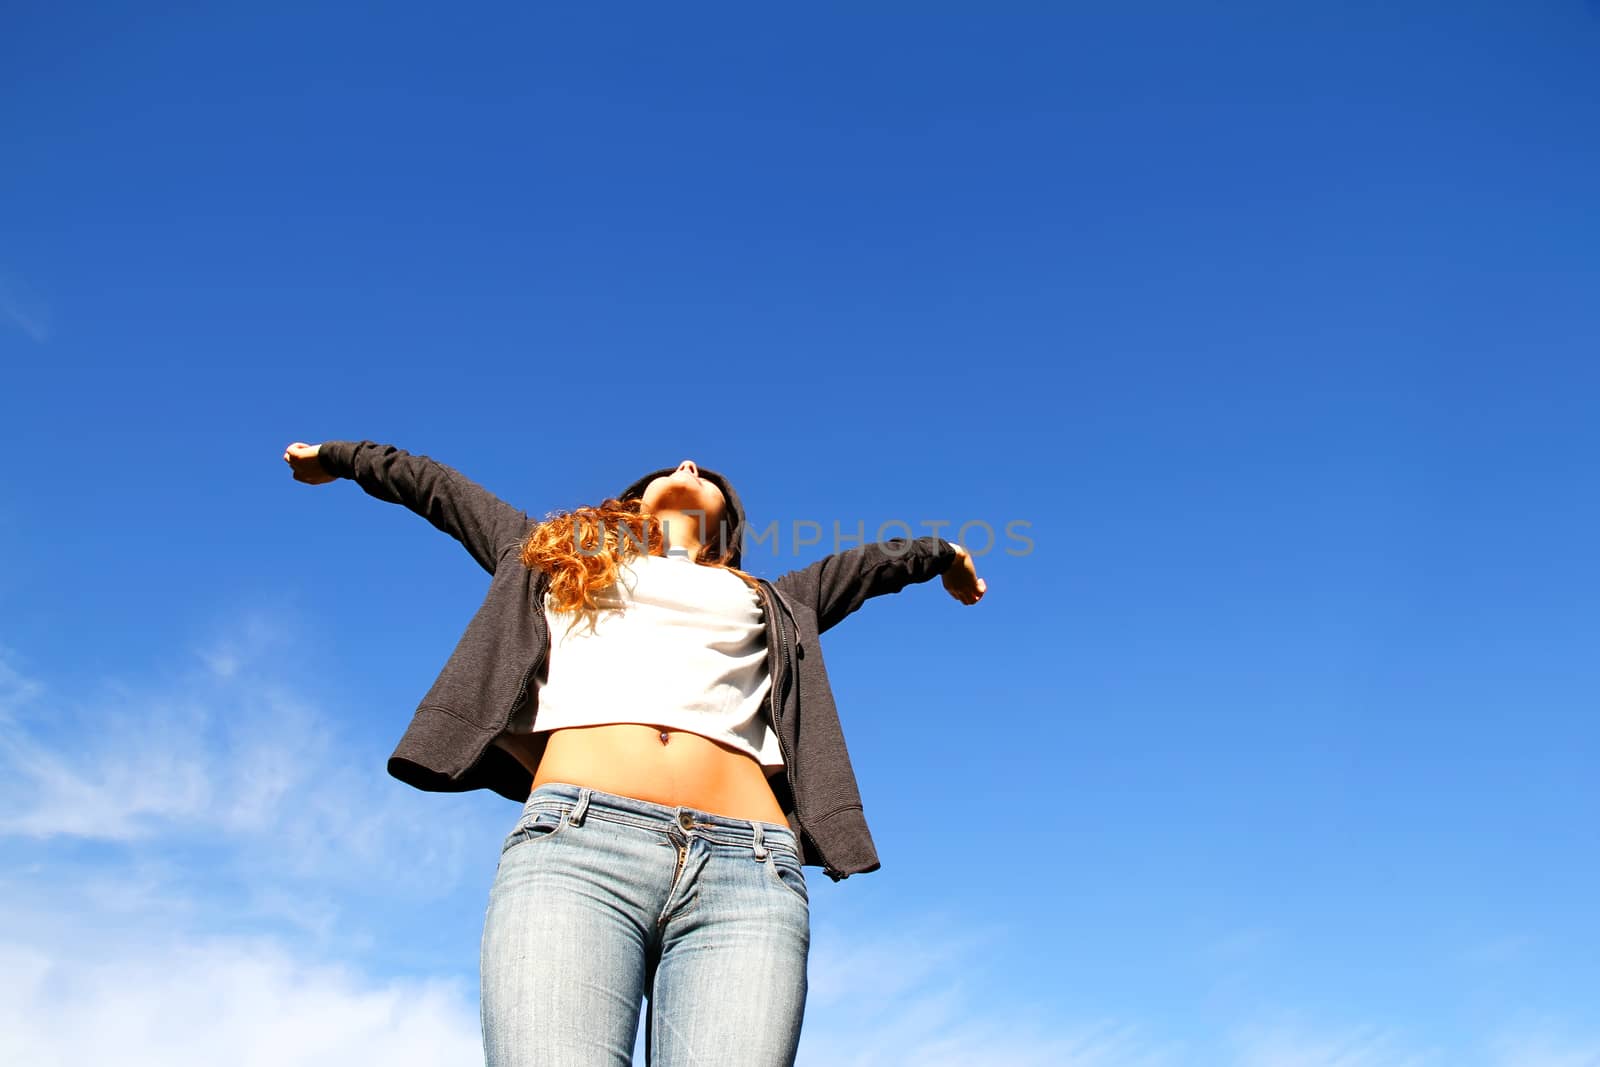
244 1002
1497 952
1544 1043
23 308
921 990
1290 1044
16 688
236 761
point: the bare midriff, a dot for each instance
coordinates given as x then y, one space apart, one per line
663 765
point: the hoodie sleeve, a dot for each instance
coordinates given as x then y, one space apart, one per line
453 503
837 585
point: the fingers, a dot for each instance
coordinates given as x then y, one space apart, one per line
962 579
971 595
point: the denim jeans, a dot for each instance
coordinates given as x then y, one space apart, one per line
602 900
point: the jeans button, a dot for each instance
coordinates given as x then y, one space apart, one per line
685 819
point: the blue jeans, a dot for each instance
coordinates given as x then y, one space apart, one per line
601 900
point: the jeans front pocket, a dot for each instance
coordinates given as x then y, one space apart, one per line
786 871
539 824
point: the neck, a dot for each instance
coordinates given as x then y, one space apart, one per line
681 530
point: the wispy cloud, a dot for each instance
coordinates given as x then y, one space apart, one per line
1499 951
23 308
1545 1042
916 989
1294 1044
244 1001
221 751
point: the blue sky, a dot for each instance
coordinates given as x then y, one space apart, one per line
1276 323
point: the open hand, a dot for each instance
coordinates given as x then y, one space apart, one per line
302 459
961 578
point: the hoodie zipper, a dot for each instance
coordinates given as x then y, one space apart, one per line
776 608
527 673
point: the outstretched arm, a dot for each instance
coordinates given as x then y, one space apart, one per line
837 585
452 502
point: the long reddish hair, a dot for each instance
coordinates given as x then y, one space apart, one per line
583 549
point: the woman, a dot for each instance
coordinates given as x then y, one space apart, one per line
643 694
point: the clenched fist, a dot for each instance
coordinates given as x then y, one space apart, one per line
961 578
302 459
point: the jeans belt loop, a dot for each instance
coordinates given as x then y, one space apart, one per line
581 808
761 845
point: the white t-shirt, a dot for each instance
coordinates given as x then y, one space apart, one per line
673 644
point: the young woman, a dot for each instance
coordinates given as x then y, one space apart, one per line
642 696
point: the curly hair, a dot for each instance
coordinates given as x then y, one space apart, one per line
583 550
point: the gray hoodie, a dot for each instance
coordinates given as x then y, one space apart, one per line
448 746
